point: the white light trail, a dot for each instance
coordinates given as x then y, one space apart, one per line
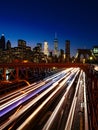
72 109
27 106
85 106
28 120
21 96
53 116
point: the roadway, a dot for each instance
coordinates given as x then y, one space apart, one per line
48 104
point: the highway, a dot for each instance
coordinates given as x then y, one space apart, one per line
47 104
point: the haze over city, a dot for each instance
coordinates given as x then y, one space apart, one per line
38 20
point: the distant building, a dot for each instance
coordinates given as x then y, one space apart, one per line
95 51
67 50
40 46
56 47
8 45
2 42
37 55
46 50
21 43
21 52
61 56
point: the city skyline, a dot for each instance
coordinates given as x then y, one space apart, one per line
36 21
53 50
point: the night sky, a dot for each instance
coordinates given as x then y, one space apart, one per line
38 20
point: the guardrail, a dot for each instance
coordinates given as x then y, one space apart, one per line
85 106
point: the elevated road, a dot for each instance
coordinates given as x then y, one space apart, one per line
59 102
49 104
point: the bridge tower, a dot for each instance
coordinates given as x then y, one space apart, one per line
84 55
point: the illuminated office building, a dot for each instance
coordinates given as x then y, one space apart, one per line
56 47
46 50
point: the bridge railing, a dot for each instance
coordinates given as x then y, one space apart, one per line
37 66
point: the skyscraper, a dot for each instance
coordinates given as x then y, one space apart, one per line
8 45
67 50
56 47
2 42
46 50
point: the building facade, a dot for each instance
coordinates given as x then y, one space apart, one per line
46 48
2 42
56 47
67 50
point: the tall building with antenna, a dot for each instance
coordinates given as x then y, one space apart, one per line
55 45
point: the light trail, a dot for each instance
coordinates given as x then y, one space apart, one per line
29 119
27 91
27 97
27 106
59 73
52 118
24 99
10 95
73 105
